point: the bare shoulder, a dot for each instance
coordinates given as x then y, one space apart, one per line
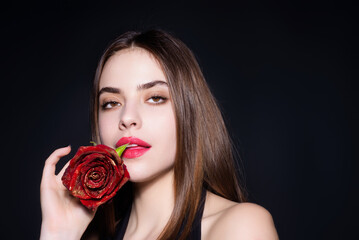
224 219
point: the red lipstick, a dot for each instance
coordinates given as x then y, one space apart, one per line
135 148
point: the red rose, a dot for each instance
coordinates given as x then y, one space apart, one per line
95 174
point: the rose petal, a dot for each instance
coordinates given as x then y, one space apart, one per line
95 177
96 160
95 174
76 184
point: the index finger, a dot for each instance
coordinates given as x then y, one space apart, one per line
51 161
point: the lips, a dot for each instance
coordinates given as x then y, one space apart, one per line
135 148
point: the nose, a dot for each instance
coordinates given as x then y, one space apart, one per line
129 117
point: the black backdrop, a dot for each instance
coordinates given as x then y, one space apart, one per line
281 71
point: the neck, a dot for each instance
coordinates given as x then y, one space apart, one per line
152 205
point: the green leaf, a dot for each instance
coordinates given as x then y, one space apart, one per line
120 149
93 143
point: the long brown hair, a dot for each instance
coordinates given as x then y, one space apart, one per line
204 157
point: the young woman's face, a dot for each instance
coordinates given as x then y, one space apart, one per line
135 107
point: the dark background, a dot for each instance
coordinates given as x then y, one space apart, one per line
281 71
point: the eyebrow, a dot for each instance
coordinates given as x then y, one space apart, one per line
139 87
151 84
109 90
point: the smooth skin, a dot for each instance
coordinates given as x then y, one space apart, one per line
135 113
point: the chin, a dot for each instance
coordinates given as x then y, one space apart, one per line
147 176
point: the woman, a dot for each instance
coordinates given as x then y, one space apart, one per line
150 92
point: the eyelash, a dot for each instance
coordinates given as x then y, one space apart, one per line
105 104
163 99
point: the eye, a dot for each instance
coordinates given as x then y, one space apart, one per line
110 104
157 99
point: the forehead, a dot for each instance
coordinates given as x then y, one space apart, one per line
133 65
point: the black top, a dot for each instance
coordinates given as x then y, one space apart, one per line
196 227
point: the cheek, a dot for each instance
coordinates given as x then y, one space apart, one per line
106 126
164 131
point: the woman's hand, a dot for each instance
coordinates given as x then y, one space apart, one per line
63 216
